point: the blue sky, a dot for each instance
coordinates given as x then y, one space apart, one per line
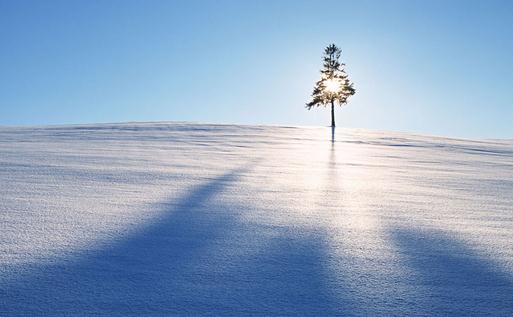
436 67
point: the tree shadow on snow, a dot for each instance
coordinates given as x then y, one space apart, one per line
289 277
450 278
196 259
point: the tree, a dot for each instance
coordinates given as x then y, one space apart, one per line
334 85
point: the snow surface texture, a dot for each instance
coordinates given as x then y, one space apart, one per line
171 218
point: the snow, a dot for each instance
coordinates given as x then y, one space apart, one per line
195 219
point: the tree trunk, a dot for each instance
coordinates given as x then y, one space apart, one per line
332 114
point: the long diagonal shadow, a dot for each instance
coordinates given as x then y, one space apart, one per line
452 279
130 276
198 259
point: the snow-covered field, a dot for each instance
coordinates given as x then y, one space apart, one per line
187 219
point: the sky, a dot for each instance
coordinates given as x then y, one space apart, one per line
430 67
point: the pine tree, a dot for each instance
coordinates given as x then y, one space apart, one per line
334 85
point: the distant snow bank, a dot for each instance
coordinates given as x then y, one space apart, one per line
177 218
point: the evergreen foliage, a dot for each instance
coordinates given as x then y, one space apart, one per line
334 85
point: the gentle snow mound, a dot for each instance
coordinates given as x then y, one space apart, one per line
188 219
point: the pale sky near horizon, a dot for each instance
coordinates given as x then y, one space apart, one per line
434 67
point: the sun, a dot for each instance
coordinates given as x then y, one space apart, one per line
332 85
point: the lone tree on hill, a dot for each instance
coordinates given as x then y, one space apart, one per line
334 85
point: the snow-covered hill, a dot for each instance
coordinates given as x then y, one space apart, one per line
171 218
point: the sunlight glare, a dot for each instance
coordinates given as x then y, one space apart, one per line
333 85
